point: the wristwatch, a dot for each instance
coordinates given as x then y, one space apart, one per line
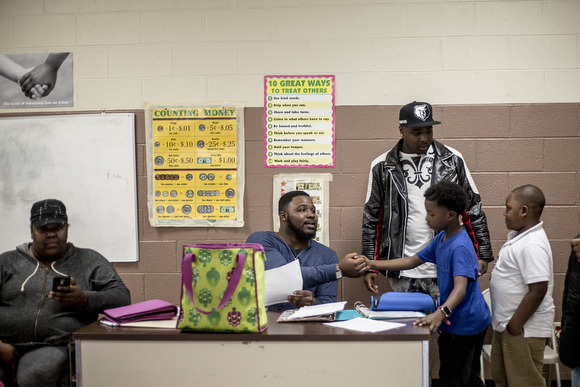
445 310
338 272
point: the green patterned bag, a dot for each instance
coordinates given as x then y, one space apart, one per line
223 288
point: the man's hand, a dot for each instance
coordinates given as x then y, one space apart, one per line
353 265
482 267
431 321
302 298
9 355
370 281
71 295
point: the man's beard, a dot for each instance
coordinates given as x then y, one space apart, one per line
300 233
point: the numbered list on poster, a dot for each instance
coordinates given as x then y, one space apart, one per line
299 121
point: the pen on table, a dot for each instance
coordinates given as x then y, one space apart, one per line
109 323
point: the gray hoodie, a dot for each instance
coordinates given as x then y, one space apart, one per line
29 317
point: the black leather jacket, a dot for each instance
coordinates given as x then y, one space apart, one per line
570 334
385 213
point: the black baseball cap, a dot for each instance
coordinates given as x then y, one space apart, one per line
48 211
417 115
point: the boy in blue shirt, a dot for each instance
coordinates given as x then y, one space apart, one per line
464 311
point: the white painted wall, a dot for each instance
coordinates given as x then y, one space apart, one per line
382 52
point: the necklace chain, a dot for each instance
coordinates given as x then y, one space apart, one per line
290 249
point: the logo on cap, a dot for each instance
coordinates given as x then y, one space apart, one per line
421 112
416 115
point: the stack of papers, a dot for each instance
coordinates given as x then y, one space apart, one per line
322 312
281 282
164 324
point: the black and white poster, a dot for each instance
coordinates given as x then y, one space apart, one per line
36 80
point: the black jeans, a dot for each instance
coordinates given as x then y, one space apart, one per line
459 357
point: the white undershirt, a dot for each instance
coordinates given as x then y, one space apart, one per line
418 169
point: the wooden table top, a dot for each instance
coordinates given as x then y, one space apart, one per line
289 331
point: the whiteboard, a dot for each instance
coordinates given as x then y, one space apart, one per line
86 161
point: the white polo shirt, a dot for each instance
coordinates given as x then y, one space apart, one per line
524 259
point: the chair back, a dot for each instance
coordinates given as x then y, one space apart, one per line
551 352
487 298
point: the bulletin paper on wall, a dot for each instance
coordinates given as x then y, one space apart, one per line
299 121
314 184
195 160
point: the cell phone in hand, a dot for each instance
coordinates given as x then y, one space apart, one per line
60 281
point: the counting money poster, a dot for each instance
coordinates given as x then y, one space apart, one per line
299 121
195 160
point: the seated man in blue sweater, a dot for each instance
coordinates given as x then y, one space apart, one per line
320 267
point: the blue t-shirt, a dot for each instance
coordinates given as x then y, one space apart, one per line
317 264
456 257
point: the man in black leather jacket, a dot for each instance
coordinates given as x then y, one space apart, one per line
570 334
394 218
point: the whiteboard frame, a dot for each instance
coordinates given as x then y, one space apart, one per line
101 206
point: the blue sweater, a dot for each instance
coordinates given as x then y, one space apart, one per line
317 263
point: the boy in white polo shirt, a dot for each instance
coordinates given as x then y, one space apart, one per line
521 293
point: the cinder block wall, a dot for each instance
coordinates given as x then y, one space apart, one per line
505 146
382 52
503 77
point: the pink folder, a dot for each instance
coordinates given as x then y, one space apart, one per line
142 311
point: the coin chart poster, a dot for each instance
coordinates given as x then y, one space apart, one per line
195 157
299 121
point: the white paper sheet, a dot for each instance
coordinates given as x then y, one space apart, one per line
365 325
165 324
282 282
318 310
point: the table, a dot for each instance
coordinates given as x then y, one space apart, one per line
286 354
